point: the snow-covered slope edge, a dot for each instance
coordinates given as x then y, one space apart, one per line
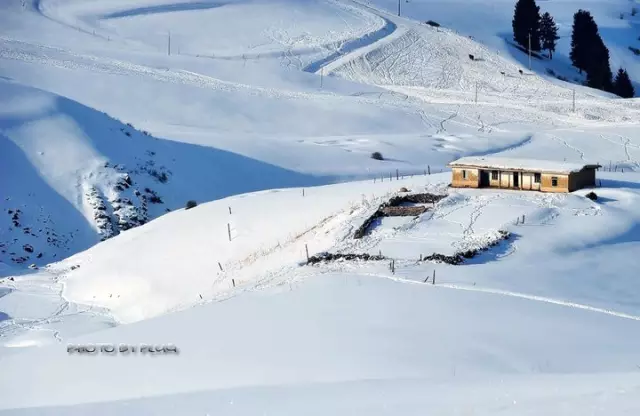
72 176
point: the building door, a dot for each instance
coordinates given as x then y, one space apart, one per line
484 178
516 181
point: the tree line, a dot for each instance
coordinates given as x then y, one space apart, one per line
589 53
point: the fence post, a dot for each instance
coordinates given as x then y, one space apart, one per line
220 265
397 176
429 169
229 210
433 282
523 218
302 191
233 281
229 230
306 249
390 176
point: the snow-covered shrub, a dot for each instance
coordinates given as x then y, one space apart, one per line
191 204
592 196
377 156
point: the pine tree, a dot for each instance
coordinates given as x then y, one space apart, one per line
548 33
526 20
622 85
584 35
598 69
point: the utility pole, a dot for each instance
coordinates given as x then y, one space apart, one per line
529 51
169 43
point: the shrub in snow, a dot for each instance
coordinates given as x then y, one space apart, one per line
592 196
377 156
191 204
403 189
432 23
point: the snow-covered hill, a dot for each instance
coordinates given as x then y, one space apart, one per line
113 114
489 22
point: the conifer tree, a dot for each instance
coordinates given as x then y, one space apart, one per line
598 69
622 85
583 38
526 20
548 33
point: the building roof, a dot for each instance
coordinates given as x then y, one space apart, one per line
525 165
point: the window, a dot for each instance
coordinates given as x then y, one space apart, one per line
464 174
494 175
554 181
536 178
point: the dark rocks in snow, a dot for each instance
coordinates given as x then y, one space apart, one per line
326 257
459 257
19 260
153 197
33 266
39 256
28 248
77 266
592 196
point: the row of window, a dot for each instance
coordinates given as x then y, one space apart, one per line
536 177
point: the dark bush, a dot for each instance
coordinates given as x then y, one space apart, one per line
377 156
191 204
592 196
432 23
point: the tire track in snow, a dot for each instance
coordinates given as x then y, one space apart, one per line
538 299
353 47
507 293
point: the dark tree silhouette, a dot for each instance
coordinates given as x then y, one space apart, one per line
584 35
526 20
622 85
598 69
548 34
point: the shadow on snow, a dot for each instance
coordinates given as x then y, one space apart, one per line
165 8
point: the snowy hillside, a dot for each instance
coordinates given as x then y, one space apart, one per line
115 113
489 22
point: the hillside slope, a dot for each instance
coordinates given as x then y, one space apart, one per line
489 22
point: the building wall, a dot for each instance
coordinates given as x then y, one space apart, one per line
547 180
583 179
472 180
528 181
566 182
505 179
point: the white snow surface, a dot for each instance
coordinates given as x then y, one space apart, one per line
115 113
530 165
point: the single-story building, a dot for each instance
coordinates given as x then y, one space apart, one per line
526 174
